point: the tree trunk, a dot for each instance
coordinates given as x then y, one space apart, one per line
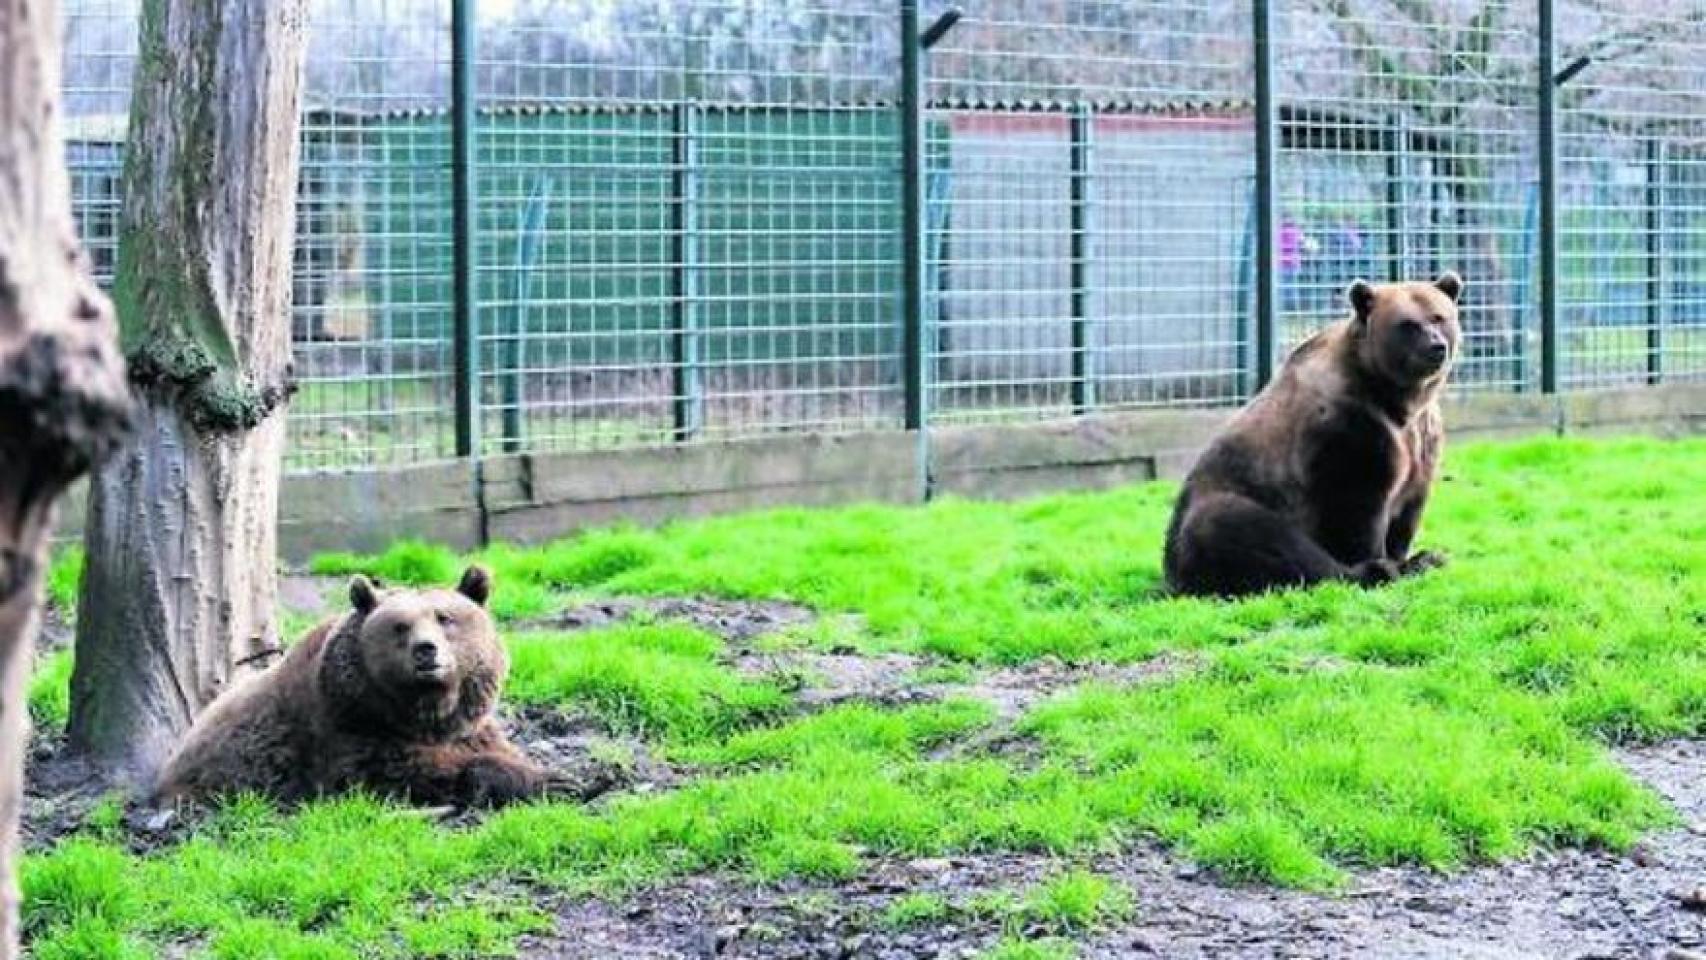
178 591
63 400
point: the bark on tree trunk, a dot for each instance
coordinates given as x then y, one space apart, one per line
178 591
63 399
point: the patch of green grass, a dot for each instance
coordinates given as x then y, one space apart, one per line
64 577
406 562
259 884
1450 719
853 728
470 931
1269 775
658 681
416 563
951 672
1078 575
513 602
1076 901
916 910
49 694
1072 902
1021 948
84 880
966 580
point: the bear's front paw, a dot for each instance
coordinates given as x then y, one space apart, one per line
495 781
1421 562
1373 573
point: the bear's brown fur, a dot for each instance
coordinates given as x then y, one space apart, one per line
396 696
1324 474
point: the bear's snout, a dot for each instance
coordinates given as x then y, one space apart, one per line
1437 353
425 654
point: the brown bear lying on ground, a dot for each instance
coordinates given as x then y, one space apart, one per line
396 696
1324 474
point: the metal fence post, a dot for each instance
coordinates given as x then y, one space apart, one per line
1267 142
1548 159
465 344
685 340
912 216
1655 259
914 353
1083 383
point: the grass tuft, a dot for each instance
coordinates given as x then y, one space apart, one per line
406 563
49 694
915 910
659 681
64 577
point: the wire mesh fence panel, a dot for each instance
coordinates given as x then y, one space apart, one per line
1172 246
1407 146
1681 330
99 57
689 212
1632 125
373 293
1088 204
690 222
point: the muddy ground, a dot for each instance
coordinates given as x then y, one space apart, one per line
1561 904
1564 904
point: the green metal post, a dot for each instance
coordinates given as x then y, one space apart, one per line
913 353
1655 260
1083 383
1267 142
688 387
465 346
1548 158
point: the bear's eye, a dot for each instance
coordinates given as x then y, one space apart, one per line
399 628
1439 320
445 619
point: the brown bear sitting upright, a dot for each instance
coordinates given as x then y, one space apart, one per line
1324 474
395 696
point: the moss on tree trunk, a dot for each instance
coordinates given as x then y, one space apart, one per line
181 535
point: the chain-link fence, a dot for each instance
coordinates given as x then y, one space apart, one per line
692 220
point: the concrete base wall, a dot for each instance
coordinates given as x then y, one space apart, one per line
528 499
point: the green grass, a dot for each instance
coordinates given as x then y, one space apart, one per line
49 694
63 577
407 561
341 879
1021 948
1076 901
916 910
418 563
1453 719
660 682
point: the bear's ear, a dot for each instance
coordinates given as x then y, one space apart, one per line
362 594
1361 296
476 584
1450 284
